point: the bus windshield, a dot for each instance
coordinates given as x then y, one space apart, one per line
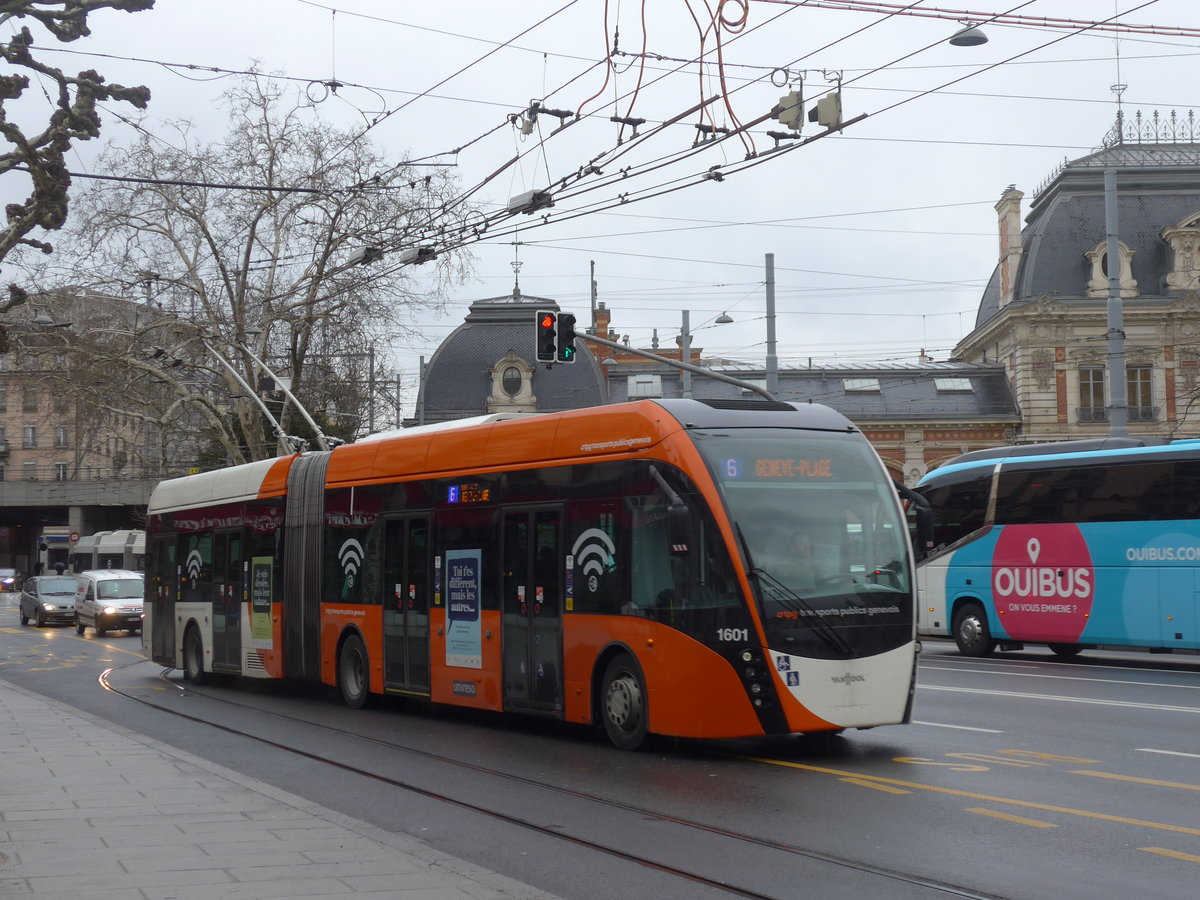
823 535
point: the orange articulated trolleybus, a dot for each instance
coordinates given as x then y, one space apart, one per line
678 567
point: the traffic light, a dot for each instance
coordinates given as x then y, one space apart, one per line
566 338
827 111
790 109
547 336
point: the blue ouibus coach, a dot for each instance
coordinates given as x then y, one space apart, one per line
1076 545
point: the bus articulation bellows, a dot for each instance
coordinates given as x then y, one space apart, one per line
632 566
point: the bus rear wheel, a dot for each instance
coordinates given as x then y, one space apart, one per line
193 657
971 632
623 704
354 673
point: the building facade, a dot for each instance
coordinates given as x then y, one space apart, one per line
1044 313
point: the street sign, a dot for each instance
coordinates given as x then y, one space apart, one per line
74 537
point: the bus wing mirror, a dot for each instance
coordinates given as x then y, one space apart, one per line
923 515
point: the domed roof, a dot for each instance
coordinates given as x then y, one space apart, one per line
457 380
1158 185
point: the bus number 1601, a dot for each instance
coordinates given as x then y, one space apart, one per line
733 634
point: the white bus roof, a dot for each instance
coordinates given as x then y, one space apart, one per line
233 485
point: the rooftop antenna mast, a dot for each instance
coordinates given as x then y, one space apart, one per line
1118 87
516 267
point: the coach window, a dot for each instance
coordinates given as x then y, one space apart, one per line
1128 492
960 507
1040 496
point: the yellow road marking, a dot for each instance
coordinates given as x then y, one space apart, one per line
1174 854
988 798
1009 817
886 788
1171 784
14 630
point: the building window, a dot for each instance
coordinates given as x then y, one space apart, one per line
3 400
60 436
60 471
1091 394
1 472
30 436
29 400
860 384
1139 393
3 441
641 386
1097 285
512 381
59 402
952 384
29 471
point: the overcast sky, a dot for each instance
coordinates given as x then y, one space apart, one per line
883 236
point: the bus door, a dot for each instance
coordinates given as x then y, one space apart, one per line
228 591
162 588
406 604
532 609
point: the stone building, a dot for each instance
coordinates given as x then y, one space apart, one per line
1043 315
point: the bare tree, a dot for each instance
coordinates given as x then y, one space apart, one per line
40 151
253 246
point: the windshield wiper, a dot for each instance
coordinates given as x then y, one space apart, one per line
790 600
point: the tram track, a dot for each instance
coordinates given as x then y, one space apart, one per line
553 831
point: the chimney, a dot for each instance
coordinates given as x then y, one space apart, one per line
1009 212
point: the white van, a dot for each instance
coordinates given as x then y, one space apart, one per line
109 599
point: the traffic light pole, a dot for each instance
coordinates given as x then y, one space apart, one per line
685 367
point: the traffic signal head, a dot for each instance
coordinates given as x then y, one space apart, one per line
547 336
566 338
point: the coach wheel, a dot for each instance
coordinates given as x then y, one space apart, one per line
971 631
78 624
354 673
193 657
1065 651
623 704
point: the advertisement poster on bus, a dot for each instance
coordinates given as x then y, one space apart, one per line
261 633
464 645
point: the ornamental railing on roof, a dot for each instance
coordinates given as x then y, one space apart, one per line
1153 129
1176 138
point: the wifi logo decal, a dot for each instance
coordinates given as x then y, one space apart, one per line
595 554
350 556
192 565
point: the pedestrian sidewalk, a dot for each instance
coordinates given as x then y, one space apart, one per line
90 809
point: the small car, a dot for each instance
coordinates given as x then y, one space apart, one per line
49 600
10 581
109 599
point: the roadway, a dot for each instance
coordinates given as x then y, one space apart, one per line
1022 776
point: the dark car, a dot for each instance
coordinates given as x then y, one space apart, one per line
49 599
10 581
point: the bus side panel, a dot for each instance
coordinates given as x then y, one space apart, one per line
477 688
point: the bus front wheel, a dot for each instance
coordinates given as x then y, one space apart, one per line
971 632
623 704
354 673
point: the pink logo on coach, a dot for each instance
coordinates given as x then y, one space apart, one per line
1043 582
